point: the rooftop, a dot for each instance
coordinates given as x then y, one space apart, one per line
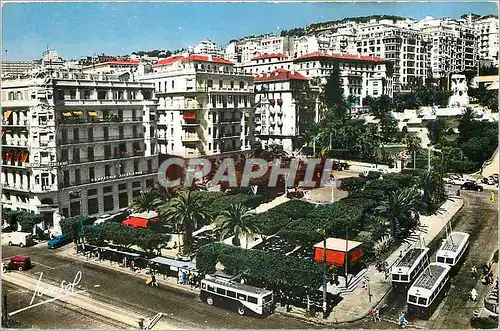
351 57
453 241
146 215
190 58
410 257
430 275
336 244
278 75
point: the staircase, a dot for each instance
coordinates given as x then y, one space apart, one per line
354 283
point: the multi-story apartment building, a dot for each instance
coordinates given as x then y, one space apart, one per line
268 62
487 33
207 47
277 44
73 144
361 75
453 46
286 106
111 66
16 68
407 49
205 106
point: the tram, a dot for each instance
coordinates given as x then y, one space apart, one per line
428 290
453 249
409 267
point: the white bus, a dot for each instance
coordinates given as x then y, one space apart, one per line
246 298
409 267
428 290
453 248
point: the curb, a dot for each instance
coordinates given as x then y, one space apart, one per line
130 273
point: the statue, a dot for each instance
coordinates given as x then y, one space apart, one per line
459 97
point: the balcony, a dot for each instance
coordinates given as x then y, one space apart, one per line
15 187
116 156
96 120
103 102
22 123
229 89
15 143
192 104
98 140
193 137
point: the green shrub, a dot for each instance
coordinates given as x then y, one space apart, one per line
352 184
263 269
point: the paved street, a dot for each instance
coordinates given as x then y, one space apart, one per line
479 218
182 309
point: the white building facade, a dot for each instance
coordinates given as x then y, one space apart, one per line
407 49
72 145
286 107
487 34
205 106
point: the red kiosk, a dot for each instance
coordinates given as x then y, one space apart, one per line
141 220
336 250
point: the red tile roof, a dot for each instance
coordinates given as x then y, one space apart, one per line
204 58
168 60
268 56
279 74
353 57
200 58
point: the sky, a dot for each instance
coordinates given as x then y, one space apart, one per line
77 30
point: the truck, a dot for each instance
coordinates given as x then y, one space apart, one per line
20 239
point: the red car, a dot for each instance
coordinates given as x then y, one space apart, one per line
19 262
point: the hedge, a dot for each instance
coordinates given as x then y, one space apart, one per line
277 218
263 269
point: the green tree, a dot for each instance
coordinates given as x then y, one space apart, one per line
145 201
187 212
400 207
149 240
235 221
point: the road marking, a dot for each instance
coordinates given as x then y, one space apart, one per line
35 263
46 301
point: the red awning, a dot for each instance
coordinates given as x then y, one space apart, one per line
189 116
136 222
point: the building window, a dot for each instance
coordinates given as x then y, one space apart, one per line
220 83
123 200
136 166
150 166
107 170
93 206
122 187
107 189
92 192
108 203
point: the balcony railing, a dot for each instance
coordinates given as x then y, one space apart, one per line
18 143
191 137
116 156
103 102
96 120
97 139
18 123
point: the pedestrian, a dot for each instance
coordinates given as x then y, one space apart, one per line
493 198
153 280
473 295
336 279
184 278
372 313
377 315
132 265
458 192
490 277
402 320
473 272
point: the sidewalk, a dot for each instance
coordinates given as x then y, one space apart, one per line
83 301
139 273
357 305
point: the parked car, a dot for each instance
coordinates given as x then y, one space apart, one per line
20 239
471 186
454 180
19 263
495 177
340 166
59 241
489 180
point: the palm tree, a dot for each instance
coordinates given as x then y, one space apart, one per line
400 209
236 221
145 201
185 211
